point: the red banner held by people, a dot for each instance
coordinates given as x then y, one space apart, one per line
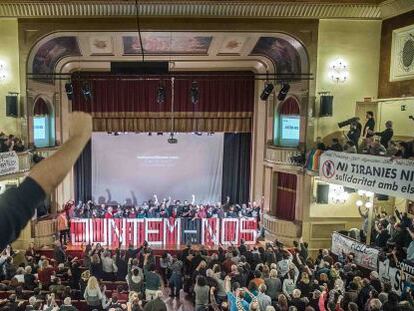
125 232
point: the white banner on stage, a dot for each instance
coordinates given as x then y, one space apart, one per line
9 163
371 173
364 256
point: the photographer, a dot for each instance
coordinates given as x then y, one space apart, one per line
354 132
369 125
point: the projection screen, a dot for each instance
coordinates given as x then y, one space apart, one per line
134 167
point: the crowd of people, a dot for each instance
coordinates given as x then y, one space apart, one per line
243 278
393 234
163 209
366 141
10 143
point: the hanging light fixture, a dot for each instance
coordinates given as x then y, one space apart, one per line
69 90
160 98
283 91
267 90
194 93
86 90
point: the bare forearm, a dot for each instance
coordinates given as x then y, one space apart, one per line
50 172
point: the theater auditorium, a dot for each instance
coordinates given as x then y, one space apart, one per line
205 155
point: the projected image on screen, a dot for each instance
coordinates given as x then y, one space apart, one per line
290 128
136 166
39 126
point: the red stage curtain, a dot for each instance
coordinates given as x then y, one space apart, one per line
286 196
128 103
290 107
40 107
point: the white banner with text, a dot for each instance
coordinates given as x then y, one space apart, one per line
396 274
364 256
377 174
9 163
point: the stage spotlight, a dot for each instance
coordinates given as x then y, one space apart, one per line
160 95
283 91
198 133
109 133
149 134
116 133
266 91
86 90
194 93
160 133
172 139
210 133
69 90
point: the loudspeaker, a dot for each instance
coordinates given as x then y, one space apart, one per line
322 192
11 106
382 197
325 108
139 67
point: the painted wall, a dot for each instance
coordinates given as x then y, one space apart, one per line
387 89
9 55
398 111
357 43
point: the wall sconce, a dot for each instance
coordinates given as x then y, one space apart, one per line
365 199
337 194
338 71
3 71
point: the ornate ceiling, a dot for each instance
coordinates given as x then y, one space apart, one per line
363 9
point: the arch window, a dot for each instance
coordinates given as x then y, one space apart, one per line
287 123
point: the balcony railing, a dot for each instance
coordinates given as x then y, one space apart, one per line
283 156
25 160
285 231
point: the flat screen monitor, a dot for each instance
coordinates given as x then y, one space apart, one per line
290 129
39 128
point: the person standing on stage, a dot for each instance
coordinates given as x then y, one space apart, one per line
63 227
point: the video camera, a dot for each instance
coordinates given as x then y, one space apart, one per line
347 122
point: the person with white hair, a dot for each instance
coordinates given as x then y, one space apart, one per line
32 304
19 275
263 299
67 305
297 301
273 285
375 304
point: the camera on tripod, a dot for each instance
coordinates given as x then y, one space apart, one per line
348 122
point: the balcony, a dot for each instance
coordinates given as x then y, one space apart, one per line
284 231
282 156
25 161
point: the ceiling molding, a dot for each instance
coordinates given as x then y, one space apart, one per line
252 9
391 8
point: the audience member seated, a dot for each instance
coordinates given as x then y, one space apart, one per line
10 143
336 146
387 134
350 147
